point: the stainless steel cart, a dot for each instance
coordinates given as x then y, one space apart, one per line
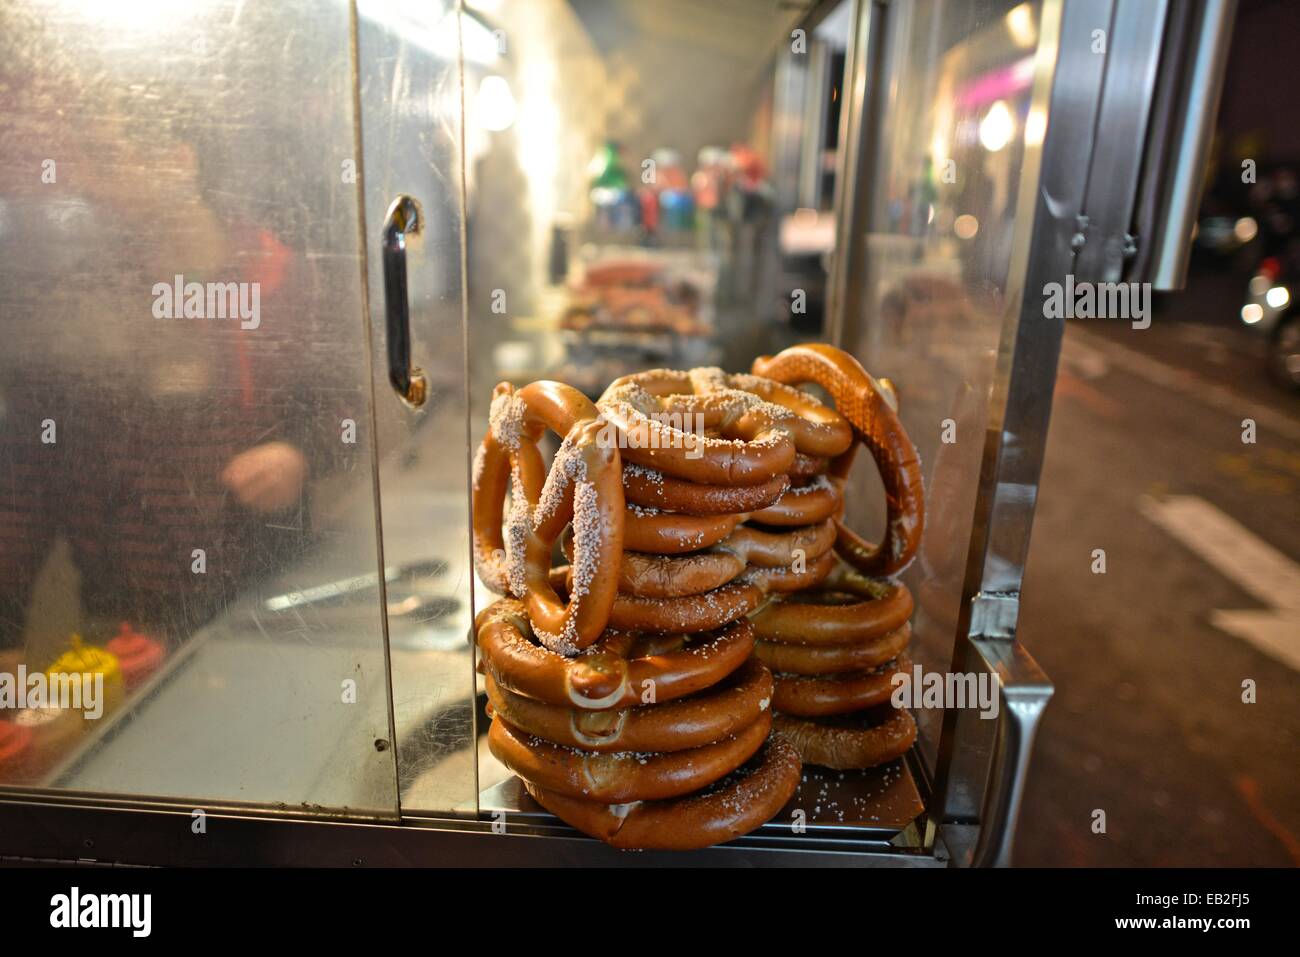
270 478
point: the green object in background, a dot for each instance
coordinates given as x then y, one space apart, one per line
606 168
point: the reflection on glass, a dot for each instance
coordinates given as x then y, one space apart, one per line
939 237
185 407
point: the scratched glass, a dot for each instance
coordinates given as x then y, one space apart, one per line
186 415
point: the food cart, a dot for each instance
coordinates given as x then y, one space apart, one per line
402 196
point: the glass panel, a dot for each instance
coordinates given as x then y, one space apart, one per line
185 403
940 279
411 134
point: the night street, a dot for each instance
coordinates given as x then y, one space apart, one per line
1146 460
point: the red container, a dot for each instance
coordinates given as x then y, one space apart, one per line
139 655
15 745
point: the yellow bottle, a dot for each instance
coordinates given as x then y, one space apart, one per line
83 659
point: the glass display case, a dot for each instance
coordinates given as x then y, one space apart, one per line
263 264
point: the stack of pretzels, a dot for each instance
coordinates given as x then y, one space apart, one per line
701 515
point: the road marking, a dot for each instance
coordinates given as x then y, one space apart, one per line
1246 560
1178 380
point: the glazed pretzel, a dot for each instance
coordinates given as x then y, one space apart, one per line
584 486
613 673
761 425
732 807
733 703
621 777
870 407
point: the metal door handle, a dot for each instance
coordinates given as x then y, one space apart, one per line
404 218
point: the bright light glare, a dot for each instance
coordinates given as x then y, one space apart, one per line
966 226
1245 229
1035 127
1020 24
1251 313
494 108
997 127
1277 297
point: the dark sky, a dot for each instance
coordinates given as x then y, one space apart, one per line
1261 91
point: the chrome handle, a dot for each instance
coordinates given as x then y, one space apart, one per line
404 218
1025 690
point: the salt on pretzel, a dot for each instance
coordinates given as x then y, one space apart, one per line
584 486
734 703
864 739
619 671
623 776
761 425
791 579
807 467
817 696
804 504
830 616
832 659
870 407
732 807
647 575
667 533
653 489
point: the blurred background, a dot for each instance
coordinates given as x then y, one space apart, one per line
1201 531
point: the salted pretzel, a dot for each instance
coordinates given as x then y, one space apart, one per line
790 579
583 487
653 489
760 425
795 659
667 533
811 696
871 408
623 776
731 807
831 616
687 614
812 501
806 467
864 739
690 613
646 575
617 672
733 703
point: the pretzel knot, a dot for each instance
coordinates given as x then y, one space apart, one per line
871 410
713 428
584 487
